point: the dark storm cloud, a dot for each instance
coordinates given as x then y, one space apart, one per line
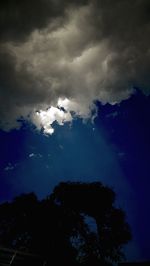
80 50
19 18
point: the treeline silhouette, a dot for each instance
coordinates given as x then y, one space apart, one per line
78 224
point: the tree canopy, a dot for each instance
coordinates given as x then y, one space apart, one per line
78 224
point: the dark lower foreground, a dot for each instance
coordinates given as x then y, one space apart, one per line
11 257
17 258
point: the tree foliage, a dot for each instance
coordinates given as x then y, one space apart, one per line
77 224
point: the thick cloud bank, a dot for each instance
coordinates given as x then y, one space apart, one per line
58 57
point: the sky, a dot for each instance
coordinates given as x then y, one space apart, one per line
74 101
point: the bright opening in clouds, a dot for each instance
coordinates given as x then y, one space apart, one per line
45 119
63 112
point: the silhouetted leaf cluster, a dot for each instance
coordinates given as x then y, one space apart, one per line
77 224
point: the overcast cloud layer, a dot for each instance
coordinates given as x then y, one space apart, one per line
58 57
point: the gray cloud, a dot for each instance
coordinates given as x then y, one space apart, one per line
79 50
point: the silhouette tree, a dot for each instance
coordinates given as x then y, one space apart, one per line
59 228
96 201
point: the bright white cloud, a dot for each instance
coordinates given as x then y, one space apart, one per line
45 119
64 112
